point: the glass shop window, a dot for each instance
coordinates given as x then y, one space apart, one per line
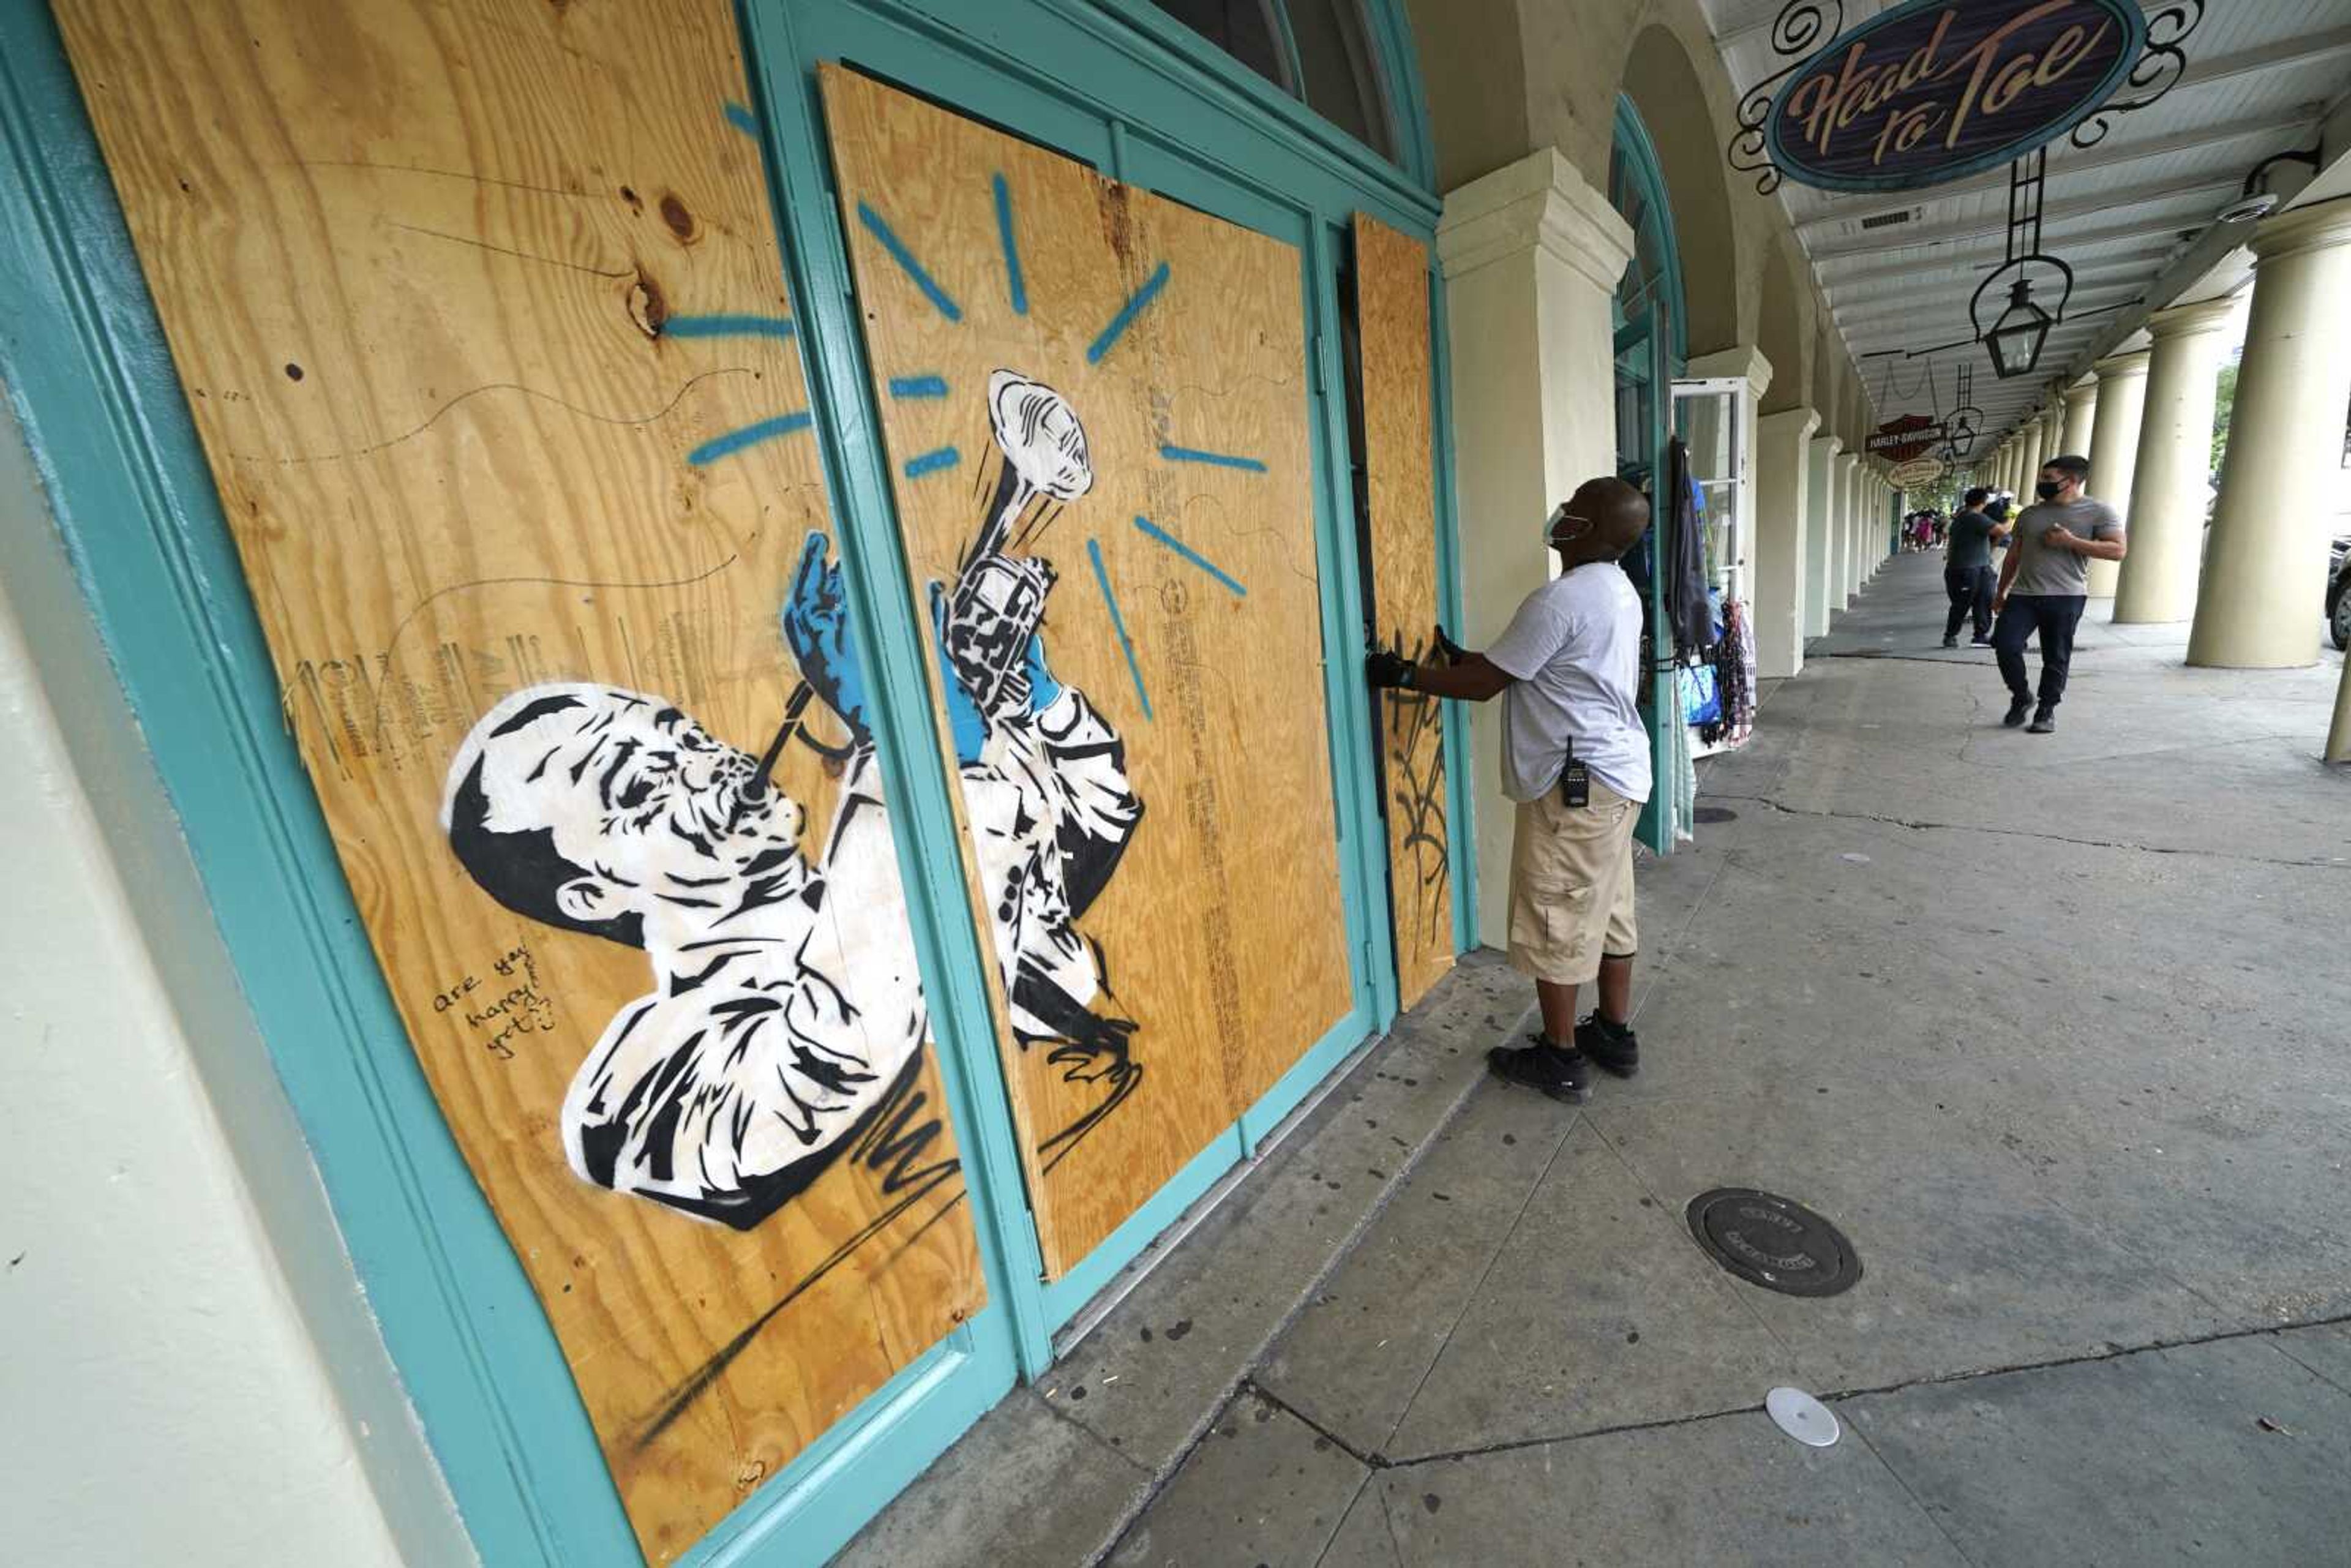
1318 51
1245 29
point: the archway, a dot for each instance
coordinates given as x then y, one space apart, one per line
1666 89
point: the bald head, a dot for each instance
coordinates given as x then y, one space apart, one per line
1601 521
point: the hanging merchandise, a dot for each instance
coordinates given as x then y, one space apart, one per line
1701 695
1687 605
1729 676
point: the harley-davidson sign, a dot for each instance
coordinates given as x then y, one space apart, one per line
1936 89
1901 440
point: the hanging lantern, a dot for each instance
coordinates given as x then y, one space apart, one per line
2015 340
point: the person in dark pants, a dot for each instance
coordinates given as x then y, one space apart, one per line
1967 569
2046 582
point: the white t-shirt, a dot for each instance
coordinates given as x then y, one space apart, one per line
1573 654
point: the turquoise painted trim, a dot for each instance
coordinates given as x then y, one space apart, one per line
1363 839
1461 805
1064 1298
1293 63
85 362
1306 1074
1400 60
1632 138
1211 65
1657 826
828 1493
884 622
84 359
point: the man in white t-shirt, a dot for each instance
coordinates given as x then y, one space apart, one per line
1575 757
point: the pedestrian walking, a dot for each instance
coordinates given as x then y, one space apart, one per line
2045 584
1967 569
1575 758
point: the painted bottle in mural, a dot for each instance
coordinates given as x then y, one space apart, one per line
786 1011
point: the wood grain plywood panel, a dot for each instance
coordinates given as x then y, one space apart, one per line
480 316
1399 453
1095 410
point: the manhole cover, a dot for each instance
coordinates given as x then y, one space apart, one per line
1773 1242
1714 814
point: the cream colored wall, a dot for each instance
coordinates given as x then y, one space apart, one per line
190 1376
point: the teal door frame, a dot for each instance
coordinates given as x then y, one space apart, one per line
83 358
1657 359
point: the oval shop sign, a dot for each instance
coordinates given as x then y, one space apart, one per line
1936 89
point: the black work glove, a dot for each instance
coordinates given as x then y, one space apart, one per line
1384 667
1446 648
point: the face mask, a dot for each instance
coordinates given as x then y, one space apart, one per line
2046 490
1552 537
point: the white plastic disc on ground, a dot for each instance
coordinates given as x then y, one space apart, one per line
1801 1417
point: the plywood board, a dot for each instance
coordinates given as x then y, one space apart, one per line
479 309
1096 408
1399 454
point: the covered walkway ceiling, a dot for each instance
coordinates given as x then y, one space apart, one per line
2135 215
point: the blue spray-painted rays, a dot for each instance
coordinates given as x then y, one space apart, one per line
735 441
1153 531
727 326
1216 459
1014 284
888 237
1118 624
1126 315
934 462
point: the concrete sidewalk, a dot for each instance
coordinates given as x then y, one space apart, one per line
2052 1027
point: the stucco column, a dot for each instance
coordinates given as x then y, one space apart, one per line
1848 467
2114 449
1530 254
2175 445
2028 466
1820 532
1782 444
2258 608
1869 517
1872 523
2080 410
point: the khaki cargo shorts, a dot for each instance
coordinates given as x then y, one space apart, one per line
1572 885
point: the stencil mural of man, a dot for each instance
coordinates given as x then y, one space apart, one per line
787 1005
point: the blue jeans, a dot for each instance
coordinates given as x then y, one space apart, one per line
2055 617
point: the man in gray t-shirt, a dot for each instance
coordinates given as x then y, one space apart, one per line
2045 584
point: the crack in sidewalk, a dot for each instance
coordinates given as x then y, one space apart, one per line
1841 1396
1922 826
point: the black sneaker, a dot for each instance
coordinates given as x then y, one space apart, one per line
2016 711
1612 1046
1979 642
1951 641
1544 1066
2043 723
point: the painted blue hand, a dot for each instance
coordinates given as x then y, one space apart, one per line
1043 689
963 720
816 624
